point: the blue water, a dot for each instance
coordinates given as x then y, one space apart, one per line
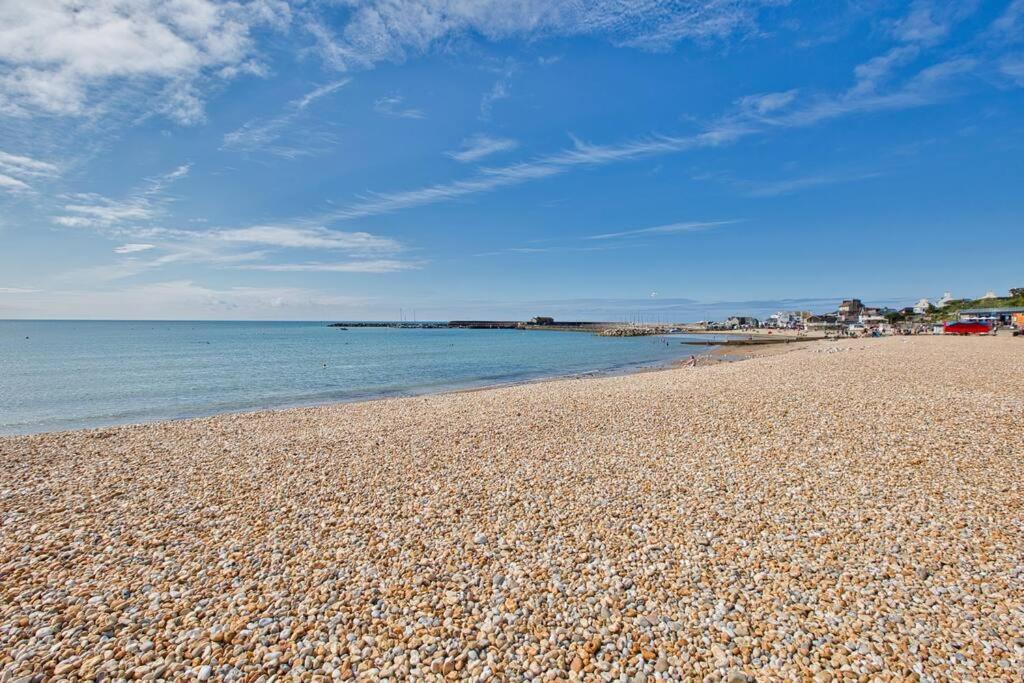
58 375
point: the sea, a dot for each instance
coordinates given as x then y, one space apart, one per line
61 374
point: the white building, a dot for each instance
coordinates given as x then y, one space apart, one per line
946 298
872 318
784 319
922 306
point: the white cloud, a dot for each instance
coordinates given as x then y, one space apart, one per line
499 91
767 102
759 114
1009 23
9 184
133 248
91 210
317 93
263 135
489 179
776 188
16 171
16 290
925 87
305 238
669 229
251 246
392 106
105 212
1014 68
59 57
392 30
27 166
479 146
874 72
371 266
929 22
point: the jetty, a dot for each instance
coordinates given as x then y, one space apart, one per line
538 323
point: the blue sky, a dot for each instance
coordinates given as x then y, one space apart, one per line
349 159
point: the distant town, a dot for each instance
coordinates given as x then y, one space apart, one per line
852 317
946 314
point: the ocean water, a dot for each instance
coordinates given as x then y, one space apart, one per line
57 375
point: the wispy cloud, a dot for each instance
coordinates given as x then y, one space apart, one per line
139 217
766 103
501 90
370 266
91 210
762 114
393 30
264 135
392 106
323 91
133 248
1010 23
929 22
613 241
17 172
776 188
13 185
1013 67
489 179
557 249
251 247
303 238
479 146
668 229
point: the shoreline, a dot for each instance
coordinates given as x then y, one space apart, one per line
434 390
706 357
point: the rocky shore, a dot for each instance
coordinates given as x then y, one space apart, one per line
842 511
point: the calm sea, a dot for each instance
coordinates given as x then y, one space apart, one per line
58 375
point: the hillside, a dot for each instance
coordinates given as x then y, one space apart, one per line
951 310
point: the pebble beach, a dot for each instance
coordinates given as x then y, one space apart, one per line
845 510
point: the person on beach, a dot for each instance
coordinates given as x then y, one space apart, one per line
692 362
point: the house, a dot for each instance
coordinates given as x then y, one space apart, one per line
946 298
740 321
822 322
785 320
923 306
871 317
849 310
541 320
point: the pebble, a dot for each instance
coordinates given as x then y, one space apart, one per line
811 515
